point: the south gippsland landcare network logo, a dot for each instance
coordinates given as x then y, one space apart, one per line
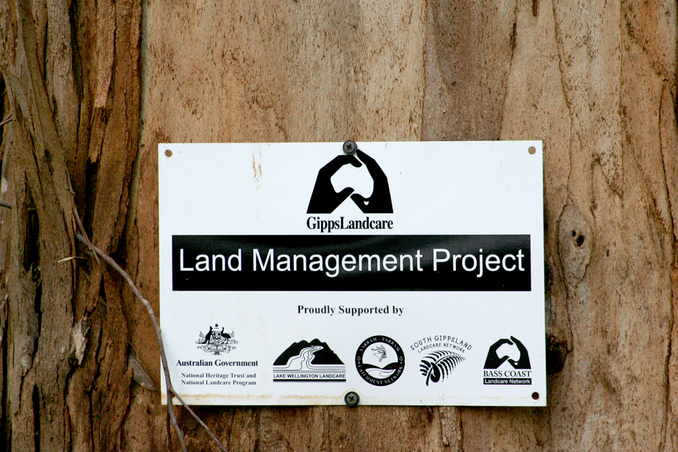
504 369
325 198
215 341
380 360
444 353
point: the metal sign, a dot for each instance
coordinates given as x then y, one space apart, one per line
399 273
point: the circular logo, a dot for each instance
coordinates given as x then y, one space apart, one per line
380 360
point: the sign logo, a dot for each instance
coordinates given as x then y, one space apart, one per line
380 360
444 354
216 342
325 199
497 372
308 362
437 365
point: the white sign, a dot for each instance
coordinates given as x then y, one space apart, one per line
407 273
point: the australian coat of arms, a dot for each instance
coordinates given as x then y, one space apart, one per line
215 341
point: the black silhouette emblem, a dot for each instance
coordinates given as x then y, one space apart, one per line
380 360
325 199
493 361
309 361
216 341
437 365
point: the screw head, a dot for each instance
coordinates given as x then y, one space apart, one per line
350 147
352 399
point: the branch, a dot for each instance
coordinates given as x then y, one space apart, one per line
171 393
78 221
7 120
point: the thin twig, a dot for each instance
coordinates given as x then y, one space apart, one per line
5 205
163 357
170 406
66 259
81 227
7 120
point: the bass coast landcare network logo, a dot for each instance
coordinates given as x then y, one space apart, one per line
216 342
325 199
505 370
380 360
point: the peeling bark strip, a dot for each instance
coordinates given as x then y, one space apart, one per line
596 81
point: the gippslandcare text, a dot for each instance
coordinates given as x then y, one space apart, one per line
389 262
365 224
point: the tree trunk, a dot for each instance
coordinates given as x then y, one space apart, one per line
93 87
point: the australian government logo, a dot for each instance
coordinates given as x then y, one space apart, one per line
380 360
215 341
441 354
309 362
325 198
507 363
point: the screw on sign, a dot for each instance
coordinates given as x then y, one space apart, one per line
350 147
352 399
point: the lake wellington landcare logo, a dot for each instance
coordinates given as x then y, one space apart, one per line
307 362
325 199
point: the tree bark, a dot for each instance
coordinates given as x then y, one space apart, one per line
93 87
67 155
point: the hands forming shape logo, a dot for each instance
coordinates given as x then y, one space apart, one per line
493 361
325 200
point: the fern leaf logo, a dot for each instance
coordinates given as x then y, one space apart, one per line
437 365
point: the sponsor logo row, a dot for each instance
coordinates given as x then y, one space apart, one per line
379 360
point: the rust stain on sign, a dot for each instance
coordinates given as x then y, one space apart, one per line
256 166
